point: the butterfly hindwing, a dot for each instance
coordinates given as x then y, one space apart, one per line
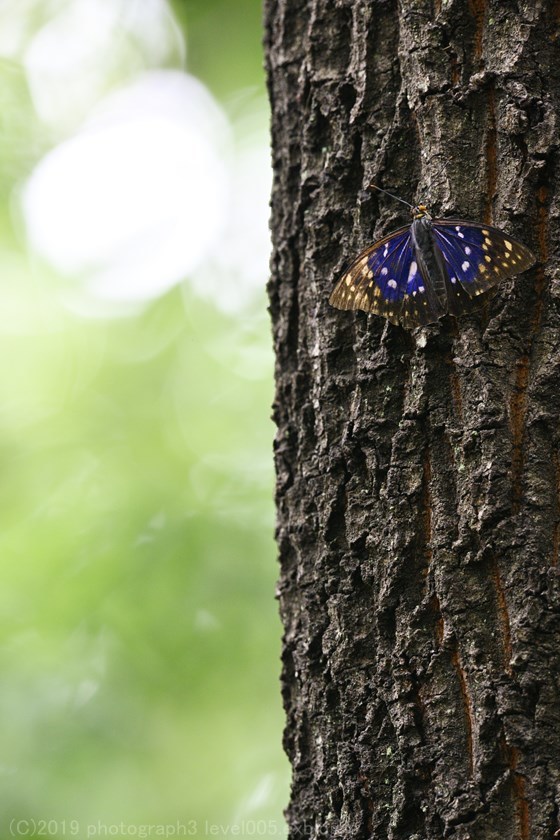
477 256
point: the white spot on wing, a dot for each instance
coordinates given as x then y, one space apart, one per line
384 271
413 269
465 265
392 284
467 249
453 279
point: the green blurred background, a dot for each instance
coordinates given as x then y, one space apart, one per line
140 640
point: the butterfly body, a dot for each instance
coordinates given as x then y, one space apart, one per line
427 256
420 272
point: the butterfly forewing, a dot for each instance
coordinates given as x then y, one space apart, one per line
376 280
385 279
478 256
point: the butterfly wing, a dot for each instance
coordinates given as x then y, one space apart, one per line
391 279
374 282
477 257
385 279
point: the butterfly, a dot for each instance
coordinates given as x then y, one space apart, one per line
418 273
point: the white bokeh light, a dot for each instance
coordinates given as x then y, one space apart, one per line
133 203
153 184
83 45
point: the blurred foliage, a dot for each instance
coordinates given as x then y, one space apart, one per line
139 645
224 42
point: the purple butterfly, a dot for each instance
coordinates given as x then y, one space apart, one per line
418 273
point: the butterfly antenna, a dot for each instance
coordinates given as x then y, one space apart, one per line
375 187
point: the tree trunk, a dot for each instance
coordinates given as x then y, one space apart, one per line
418 473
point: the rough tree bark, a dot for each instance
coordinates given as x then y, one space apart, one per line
418 474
